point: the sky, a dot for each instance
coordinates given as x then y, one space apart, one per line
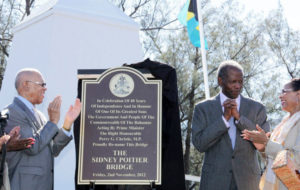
291 8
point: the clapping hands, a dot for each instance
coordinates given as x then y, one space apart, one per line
72 114
259 138
54 109
15 143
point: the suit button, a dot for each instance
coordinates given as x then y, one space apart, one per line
232 157
230 171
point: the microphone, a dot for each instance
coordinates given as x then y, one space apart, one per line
4 114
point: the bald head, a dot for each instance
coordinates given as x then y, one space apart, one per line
30 85
24 75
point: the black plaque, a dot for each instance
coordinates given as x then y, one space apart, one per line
120 140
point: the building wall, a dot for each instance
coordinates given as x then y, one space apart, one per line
58 42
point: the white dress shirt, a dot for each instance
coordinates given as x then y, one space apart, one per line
230 123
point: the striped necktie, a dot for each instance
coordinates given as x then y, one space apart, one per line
232 131
36 115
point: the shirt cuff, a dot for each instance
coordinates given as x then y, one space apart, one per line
226 122
68 133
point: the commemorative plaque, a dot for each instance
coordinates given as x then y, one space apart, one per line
120 129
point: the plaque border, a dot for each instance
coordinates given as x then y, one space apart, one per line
87 80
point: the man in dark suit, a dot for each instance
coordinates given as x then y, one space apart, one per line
32 168
230 163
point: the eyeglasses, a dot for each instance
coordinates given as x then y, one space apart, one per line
42 84
284 91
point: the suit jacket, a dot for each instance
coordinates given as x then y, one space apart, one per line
221 162
33 168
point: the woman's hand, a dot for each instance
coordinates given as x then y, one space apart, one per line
15 143
259 138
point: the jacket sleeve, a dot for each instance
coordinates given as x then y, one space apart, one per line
296 148
46 135
273 147
205 134
260 119
59 142
43 136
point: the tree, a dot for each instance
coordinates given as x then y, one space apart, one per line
219 27
230 36
154 17
11 13
283 43
248 40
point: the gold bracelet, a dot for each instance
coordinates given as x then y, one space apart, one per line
66 129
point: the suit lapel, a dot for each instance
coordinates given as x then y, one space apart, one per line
243 106
217 104
34 123
243 111
238 140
